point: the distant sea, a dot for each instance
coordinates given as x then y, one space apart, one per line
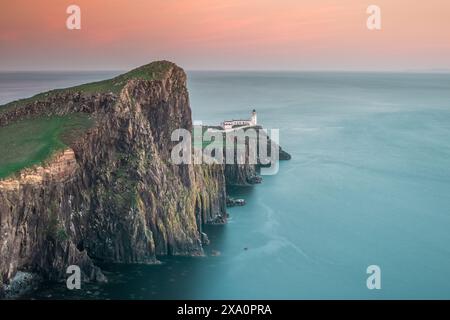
18 85
368 184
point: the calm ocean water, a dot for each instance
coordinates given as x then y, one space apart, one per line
369 183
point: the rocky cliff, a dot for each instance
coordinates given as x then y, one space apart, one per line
112 194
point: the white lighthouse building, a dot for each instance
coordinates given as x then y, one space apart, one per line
229 124
254 119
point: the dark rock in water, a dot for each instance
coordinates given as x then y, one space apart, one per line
284 155
205 239
255 179
231 202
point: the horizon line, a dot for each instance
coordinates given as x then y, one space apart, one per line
430 71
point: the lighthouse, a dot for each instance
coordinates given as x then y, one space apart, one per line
254 119
229 124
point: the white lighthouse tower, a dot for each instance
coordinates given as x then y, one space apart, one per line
254 119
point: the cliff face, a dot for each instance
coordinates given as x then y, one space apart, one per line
113 194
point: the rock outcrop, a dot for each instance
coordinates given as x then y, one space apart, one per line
243 171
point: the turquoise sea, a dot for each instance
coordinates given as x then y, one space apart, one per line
368 184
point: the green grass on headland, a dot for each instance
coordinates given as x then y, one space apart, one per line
152 71
30 142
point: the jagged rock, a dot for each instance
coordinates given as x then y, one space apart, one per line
254 179
231 202
205 239
243 172
284 155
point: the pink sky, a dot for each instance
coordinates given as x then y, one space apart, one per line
226 34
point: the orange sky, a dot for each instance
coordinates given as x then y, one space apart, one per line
226 34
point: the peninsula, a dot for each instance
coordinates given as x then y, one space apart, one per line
85 176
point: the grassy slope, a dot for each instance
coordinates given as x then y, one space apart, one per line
29 142
152 71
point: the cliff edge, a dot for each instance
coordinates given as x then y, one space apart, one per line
111 194
105 188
